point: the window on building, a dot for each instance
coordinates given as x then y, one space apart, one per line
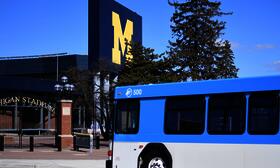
127 118
263 113
184 115
226 114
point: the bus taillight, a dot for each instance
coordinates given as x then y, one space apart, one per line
110 153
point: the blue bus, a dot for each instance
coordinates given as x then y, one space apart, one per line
230 123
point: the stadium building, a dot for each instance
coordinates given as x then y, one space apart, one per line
27 95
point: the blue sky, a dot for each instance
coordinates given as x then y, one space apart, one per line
31 27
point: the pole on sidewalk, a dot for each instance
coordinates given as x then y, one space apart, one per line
97 142
75 143
59 147
90 143
31 143
2 142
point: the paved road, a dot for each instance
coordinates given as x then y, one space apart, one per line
17 163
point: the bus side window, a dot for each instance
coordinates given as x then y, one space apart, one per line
263 115
127 116
226 114
184 115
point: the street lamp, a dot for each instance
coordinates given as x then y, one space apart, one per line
58 87
64 79
63 114
64 85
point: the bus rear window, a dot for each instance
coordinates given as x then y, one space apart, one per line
127 116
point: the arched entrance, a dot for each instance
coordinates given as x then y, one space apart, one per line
26 113
23 116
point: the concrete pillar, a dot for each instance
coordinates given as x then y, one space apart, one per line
80 117
49 120
84 117
15 117
41 118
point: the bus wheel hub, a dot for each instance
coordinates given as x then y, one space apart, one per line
156 163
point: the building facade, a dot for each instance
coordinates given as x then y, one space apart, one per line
27 95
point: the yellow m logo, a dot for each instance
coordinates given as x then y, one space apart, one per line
119 38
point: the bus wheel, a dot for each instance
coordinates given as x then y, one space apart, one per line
155 161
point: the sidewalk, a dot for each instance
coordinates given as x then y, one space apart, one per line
46 156
53 154
51 158
15 163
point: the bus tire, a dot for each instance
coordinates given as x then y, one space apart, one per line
155 160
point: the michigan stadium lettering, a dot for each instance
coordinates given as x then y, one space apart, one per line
26 101
120 37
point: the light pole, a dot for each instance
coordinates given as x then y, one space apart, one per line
64 138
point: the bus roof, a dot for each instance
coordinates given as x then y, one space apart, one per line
252 84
